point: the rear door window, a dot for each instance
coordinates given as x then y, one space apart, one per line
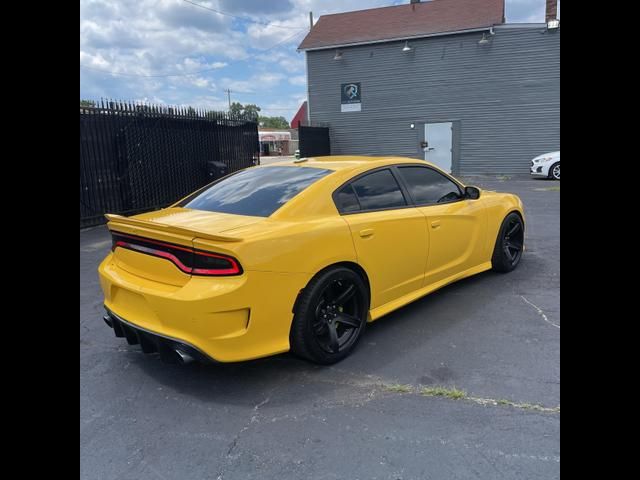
378 190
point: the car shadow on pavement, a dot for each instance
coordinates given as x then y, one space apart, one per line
288 377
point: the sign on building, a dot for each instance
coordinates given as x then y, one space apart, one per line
350 97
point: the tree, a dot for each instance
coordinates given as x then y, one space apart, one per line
274 122
251 110
248 110
87 103
236 108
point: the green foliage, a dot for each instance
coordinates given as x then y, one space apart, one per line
273 122
249 110
236 108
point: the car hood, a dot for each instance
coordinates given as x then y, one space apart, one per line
550 154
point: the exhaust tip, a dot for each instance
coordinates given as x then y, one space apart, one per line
108 321
183 358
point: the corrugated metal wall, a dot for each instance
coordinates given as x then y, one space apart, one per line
505 95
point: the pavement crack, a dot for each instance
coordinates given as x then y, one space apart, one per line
540 312
264 402
375 386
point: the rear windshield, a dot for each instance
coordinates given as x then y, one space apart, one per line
256 191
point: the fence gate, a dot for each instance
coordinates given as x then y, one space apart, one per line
135 158
314 141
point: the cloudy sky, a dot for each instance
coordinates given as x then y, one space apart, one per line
174 52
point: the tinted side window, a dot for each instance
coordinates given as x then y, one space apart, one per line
378 190
428 186
346 200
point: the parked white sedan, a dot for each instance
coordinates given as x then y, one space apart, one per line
546 165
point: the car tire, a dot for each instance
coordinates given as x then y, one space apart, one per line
554 171
509 244
330 316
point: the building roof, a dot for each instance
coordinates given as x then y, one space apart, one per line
403 21
273 135
300 117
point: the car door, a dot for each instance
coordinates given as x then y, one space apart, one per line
456 225
389 235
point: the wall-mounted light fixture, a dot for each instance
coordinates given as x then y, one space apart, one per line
406 47
484 40
338 55
553 24
412 126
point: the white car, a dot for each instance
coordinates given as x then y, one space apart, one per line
546 165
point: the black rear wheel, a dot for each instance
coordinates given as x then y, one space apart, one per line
330 316
509 244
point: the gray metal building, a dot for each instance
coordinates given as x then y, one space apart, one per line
445 80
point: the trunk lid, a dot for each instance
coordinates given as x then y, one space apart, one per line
179 228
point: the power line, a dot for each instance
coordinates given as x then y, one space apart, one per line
191 73
246 19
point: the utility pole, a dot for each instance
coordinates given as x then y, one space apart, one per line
229 97
310 20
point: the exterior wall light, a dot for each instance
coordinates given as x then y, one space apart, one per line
484 40
553 24
338 55
406 47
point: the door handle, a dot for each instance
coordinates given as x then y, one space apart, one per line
435 224
367 232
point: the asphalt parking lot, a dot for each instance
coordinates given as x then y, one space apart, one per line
496 337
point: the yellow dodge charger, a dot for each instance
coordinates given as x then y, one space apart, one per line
299 255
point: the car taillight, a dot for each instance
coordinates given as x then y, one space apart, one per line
188 260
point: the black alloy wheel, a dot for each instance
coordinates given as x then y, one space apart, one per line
509 244
330 316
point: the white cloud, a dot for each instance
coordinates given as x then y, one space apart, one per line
257 83
140 39
298 80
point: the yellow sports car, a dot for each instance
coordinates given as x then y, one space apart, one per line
299 255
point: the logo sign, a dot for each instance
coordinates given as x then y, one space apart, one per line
350 97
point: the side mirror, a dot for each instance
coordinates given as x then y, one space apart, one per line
472 193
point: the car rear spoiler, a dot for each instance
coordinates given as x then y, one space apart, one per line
119 219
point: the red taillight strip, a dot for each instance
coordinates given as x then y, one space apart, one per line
224 271
234 270
155 253
156 242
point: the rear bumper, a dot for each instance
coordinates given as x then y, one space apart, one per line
171 350
224 319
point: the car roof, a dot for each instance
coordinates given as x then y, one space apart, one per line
316 200
346 163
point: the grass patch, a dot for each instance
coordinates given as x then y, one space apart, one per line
398 388
452 393
527 406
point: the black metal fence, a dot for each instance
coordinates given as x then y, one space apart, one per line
314 141
135 158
